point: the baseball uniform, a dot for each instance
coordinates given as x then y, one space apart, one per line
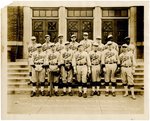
128 64
87 45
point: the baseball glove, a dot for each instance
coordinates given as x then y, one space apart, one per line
68 66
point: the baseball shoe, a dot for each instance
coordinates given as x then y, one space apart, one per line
42 93
80 94
114 94
56 93
106 93
92 93
84 95
98 93
70 93
63 93
133 97
125 95
33 94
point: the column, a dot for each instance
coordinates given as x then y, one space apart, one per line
27 30
97 22
63 22
133 26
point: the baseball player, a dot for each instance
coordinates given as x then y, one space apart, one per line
87 43
38 71
95 57
114 45
31 49
52 59
100 44
67 71
73 43
128 64
110 60
82 66
60 43
46 45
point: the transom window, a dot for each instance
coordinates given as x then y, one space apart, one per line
80 12
115 12
45 12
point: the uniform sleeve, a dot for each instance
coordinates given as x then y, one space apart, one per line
117 57
60 58
133 60
46 59
88 59
32 59
74 60
103 57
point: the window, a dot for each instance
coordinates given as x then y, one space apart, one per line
80 12
45 12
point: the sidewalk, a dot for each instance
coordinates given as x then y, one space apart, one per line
24 104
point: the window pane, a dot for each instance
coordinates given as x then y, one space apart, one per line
70 13
111 13
42 13
117 13
105 12
36 13
124 13
77 13
90 13
48 13
83 13
54 13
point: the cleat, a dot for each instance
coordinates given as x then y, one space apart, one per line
42 93
92 93
56 94
80 94
84 95
70 93
106 93
125 95
98 93
114 94
63 93
33 94
133 97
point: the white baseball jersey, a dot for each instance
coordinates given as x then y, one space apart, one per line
87 45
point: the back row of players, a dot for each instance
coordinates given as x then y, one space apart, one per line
81 59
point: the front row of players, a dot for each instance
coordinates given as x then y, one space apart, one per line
68 63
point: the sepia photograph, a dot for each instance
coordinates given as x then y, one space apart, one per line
78 60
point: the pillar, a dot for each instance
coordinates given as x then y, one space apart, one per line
63 22
97 22
133 26
27 30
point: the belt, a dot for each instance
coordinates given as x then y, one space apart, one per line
53 63
95 64
38 63
110 63
126 66
81 64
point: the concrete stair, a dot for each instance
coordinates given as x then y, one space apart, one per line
18 78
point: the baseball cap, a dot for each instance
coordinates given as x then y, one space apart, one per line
109 43
127 38
98 37
109 36
125 45
95 44
60 35
85 33
47 35
66 43
73 35
38 45
33 38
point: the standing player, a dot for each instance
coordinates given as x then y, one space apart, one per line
87 43
128 63
31 49
110 60
46 45
95 57
100 44
73 43
60 44
67 71
82 66
38 71
52 59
